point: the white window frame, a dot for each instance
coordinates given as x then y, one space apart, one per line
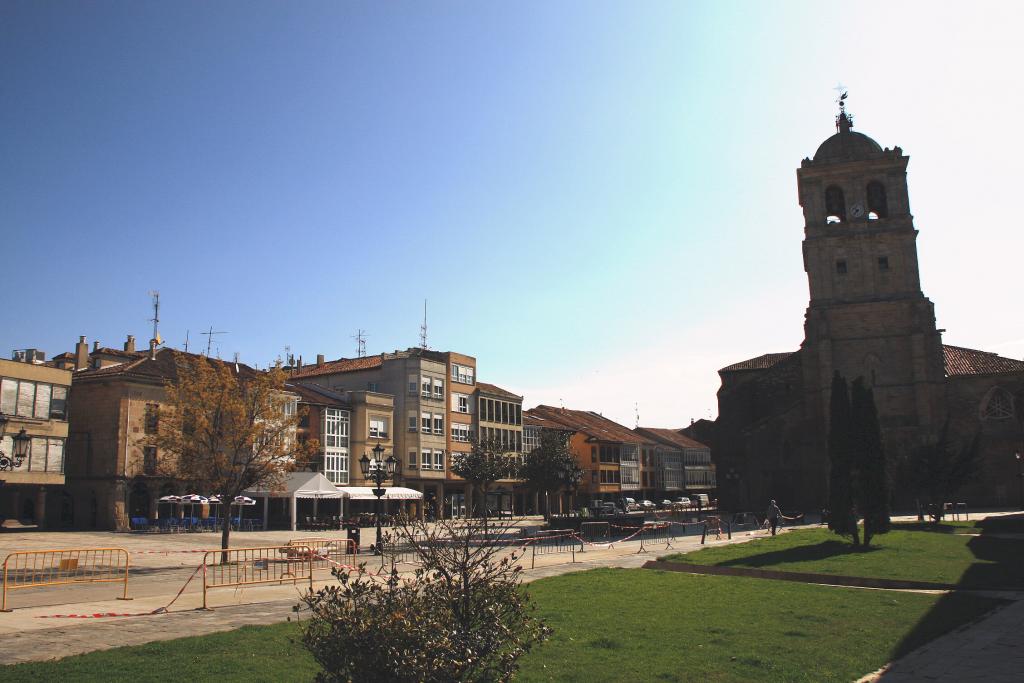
376 432
439 424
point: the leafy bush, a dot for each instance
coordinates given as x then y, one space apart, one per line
461 616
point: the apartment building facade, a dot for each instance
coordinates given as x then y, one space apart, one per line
682 465
608 452
417 428
34 399
499 418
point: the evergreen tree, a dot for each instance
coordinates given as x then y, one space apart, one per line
842 515
871 476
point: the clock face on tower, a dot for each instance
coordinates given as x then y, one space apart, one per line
857 210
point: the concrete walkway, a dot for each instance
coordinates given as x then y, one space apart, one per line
990 650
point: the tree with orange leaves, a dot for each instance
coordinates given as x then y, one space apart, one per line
227 428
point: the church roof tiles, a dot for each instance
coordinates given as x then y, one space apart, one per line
764 362
961 361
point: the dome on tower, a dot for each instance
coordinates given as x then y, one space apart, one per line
847 146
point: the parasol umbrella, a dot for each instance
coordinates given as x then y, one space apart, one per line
170 500
193 499
241 501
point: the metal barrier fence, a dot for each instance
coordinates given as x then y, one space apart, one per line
547 544
656 534
594 531
253 566
37 568
329 552
714 525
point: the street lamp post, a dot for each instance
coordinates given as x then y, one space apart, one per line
22 441
379 470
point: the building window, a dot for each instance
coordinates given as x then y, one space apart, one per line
58 403
593 477
439 424
835 205
412 422
425 387
412 460
152 418
883 264
378 427
334 424
149 460
877 203
463 374
460 432
425 422
427 460
413 381
999 405
462 403
439 389
841 266
371 386
439 460
593 454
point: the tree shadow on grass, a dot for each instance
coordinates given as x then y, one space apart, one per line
805 553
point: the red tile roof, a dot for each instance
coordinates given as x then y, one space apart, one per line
961 361
670 437
316 395
163 367
118 353
764 362
497 391
587 422
340 365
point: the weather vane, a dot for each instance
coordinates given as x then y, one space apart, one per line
843 116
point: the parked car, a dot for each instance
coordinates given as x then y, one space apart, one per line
666 504
683 502
630 505
609 509
701 500
648 505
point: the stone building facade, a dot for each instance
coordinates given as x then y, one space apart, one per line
867 317
33 398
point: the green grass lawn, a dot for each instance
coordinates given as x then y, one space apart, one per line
610 625
909 552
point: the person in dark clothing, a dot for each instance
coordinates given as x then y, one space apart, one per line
774 516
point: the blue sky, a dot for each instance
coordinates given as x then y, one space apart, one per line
598 200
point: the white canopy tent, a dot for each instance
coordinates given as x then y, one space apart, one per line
392 493
297 485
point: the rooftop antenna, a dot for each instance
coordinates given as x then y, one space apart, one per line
186 341
236 357
423 327
209 340
360 337
156 316
636 410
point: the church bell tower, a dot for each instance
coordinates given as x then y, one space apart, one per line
867 315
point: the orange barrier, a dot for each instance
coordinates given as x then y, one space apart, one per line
253 566
37 568
328 552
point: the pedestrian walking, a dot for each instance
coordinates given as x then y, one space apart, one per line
774 516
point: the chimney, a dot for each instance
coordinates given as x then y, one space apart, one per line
81 354
96 345
129 345
152 349
319 359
